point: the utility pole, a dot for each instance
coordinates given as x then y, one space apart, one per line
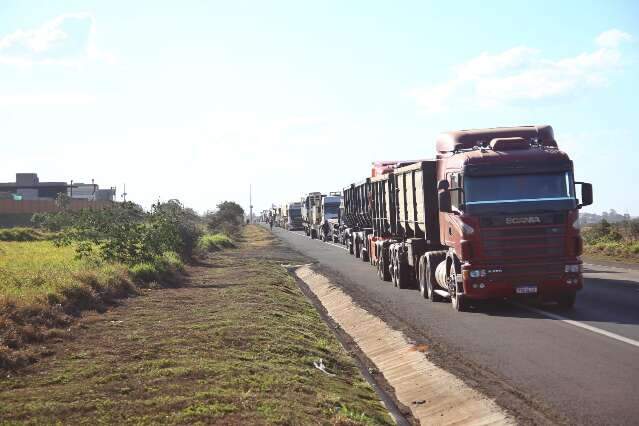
124 194
250 203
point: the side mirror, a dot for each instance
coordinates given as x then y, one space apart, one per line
445 204
586 194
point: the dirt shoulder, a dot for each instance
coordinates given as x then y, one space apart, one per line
236 345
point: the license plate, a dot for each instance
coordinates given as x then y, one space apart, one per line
526 289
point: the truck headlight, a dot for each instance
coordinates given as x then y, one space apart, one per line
574 269
476 273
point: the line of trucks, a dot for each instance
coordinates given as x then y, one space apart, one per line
494 215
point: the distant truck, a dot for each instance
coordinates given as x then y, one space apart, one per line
310 210
293 216
330 217
494 215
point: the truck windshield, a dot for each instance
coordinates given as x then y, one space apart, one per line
295 213
331 210
518 188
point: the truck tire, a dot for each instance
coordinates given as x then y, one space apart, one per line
382 263
357 249
457 299
567 300
423 287
431 262
365 257
313 234
403 278
349 243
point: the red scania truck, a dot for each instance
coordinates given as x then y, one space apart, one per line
493 216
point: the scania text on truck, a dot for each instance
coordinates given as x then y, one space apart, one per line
494 216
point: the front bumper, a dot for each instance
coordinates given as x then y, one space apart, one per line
502 282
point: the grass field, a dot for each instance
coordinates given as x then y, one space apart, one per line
235 345
39 271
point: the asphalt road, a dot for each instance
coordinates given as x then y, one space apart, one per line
580 366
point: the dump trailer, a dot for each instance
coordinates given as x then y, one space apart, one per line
357 210
311 205
383 216
294 216
493 216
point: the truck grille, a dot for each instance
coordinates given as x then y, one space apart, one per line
545 238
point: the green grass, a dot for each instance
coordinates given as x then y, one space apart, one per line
41 284
37 271
235 345
214 242
619 250
24 234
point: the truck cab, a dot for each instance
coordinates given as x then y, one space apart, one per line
508 216
294 216
330 217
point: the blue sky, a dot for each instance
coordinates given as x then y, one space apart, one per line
196 102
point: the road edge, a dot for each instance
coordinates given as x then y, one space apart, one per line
416 381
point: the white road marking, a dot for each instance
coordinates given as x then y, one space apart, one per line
580 325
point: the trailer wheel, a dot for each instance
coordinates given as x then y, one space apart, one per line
392 268
567 300
423 287
457 299
402 274
382 267
432 260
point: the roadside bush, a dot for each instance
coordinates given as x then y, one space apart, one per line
143 273
125 233
23 234
214 242
163 269
227 219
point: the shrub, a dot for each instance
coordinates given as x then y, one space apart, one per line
227 219
143 273
23 234
214 242
125 233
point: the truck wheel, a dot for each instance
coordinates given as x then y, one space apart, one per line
382 267
365 256
349 243
357 249
313 234
567 300
458 300
432 260
402 275
423 287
